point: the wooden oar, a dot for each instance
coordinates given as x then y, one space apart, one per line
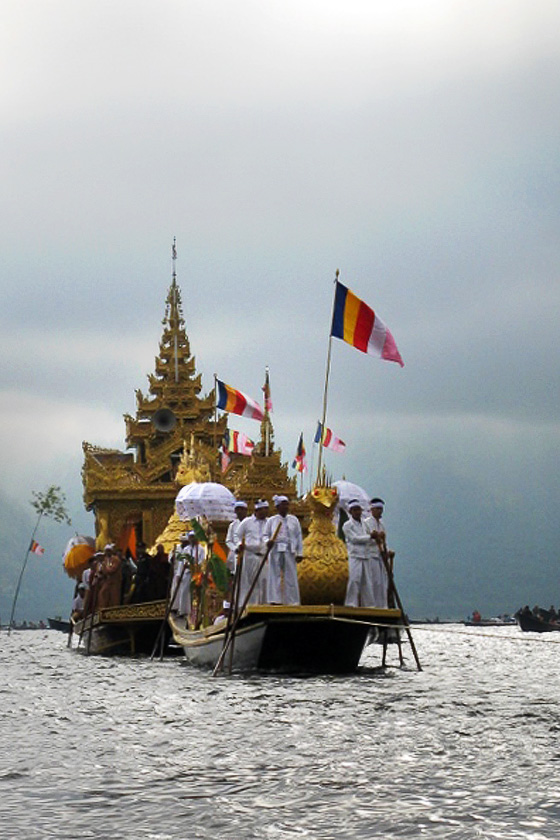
234 603
168 608
383 552
229 640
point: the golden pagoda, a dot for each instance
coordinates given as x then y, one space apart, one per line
172 440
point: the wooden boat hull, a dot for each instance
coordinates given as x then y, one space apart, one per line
531 624
59 624
302 639
127 630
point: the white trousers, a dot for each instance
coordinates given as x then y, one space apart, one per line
380 583
360 590
251 563
182 598
283 587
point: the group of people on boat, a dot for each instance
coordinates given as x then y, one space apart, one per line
278 537
549 616
267 549
276 580
112 578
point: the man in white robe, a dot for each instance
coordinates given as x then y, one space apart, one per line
232 538
379 573
252 545
285 554
360 543
181 583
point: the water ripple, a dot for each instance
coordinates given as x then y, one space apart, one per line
117 749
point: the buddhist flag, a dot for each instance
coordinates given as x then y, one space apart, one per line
238 442
36 548
328 440
236 402
225 459
299 463
358 325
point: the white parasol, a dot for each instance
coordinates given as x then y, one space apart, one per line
348 491
214 501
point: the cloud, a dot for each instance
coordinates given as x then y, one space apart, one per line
412 146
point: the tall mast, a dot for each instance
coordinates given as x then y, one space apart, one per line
174 287
325 393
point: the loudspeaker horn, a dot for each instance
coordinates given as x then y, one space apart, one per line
164 420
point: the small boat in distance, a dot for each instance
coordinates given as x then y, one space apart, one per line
476 620
538 620
59 624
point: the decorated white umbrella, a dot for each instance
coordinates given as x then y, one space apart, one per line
348 491
214 501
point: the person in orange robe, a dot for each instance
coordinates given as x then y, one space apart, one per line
110 582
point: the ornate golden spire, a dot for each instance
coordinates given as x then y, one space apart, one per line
265 445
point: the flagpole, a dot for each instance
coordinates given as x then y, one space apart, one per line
266 399
326 383
21 575
215 409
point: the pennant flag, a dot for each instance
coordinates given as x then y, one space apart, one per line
225 459
266 392
217 549
326 437
237 442
219 571
236 402
36 548
358 325
199 531
299 463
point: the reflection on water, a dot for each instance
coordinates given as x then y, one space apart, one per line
117 748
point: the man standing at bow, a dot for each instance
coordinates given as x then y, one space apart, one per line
251 536
286 552
361 545
379 573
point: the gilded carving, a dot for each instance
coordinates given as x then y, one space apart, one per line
323 572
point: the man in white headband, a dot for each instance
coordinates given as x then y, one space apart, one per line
362 549
232 539
380 580
252 546
286 552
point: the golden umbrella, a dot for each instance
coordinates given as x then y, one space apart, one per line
76 555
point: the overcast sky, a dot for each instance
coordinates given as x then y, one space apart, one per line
413 146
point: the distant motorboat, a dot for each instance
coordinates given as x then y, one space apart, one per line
531 623
59 624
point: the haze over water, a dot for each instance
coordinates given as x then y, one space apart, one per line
118 748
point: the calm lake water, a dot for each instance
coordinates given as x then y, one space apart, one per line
117 748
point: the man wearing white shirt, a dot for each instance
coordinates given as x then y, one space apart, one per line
251 536
361 545
181 583
232 536
379 573
286 552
